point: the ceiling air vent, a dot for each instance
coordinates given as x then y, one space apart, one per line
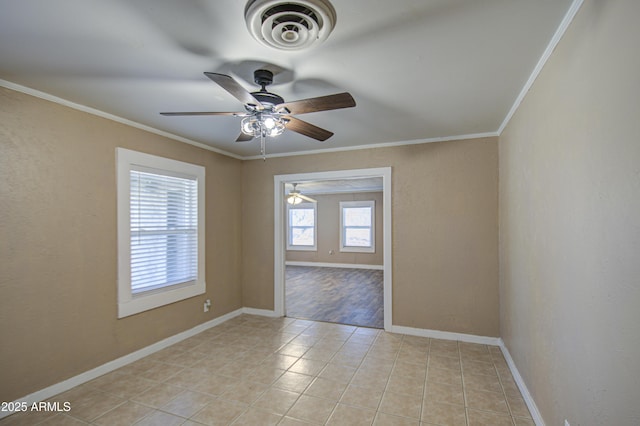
290 25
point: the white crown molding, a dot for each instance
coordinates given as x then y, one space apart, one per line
557 36
102 114
376 145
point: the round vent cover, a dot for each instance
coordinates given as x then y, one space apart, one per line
290 25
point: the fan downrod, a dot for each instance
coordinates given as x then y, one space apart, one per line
263 78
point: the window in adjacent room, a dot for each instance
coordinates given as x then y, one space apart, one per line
301 226
357 226
160 231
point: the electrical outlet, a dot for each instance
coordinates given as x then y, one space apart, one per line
207 305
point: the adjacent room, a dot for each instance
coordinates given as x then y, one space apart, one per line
334 256
340 212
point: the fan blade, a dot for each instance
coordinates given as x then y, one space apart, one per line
307 129
309 199
243 137
322 103
233 87
237 114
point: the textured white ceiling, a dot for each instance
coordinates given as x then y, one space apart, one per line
336 186
418 69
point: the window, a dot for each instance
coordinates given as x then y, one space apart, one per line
301 229
160 231
357 226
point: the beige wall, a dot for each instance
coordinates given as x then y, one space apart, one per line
58 238
445 230
58 244
570 224
328 207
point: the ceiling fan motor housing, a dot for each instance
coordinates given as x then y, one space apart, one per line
268 98
263 78
290 25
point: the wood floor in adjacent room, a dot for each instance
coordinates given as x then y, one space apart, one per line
339 295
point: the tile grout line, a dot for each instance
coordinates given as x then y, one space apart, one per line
493 364
464 388
287 370
249 405
426 375
318 375
385 387
504 393
357 368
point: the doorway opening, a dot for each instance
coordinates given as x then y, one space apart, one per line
347 279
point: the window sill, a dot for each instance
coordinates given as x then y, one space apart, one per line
145 302
301 248
357 250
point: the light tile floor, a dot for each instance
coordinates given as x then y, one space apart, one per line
266 371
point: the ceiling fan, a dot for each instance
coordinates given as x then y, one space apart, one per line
296 197
267 114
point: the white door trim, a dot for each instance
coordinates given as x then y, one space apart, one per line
279 230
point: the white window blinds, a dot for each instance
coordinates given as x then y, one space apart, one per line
164 230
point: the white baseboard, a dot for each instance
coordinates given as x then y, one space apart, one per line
445 335
110 366
528 399
260 312
335 265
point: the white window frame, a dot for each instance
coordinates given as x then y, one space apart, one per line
128 303
307 205
358 204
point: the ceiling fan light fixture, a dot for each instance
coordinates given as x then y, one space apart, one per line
263 124
294 199
269 123
277 130
267 114
290 25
